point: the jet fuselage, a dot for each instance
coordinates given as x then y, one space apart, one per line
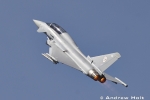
72 51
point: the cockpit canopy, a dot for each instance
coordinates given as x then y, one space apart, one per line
56 28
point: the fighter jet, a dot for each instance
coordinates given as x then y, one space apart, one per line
62 49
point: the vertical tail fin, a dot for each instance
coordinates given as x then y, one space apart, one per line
104 61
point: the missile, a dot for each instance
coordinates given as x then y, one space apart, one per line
50 58
121 82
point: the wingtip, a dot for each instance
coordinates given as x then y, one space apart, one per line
126 86
118 54
34 20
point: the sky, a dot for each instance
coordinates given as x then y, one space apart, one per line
98 27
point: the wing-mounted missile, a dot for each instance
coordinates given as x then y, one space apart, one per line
114 79
49 57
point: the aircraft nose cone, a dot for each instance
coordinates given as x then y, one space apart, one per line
37 22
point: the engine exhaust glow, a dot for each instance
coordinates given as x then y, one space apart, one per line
102 80
94 75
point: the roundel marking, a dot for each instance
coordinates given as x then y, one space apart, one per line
104 59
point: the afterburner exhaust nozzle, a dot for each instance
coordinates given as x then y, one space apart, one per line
102 80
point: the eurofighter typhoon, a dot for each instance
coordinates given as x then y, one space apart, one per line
64 50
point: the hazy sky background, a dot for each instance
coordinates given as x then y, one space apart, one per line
98 27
